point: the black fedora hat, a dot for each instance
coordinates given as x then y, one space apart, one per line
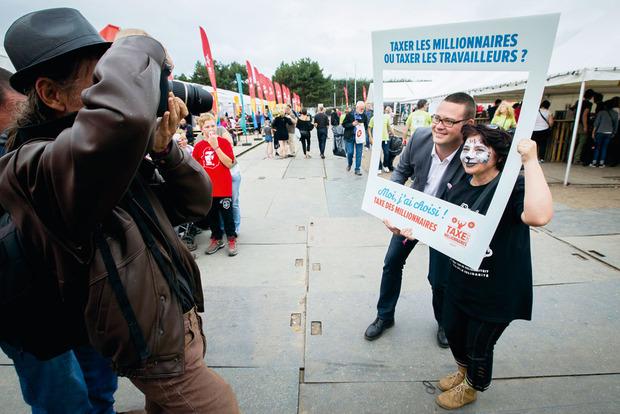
41 36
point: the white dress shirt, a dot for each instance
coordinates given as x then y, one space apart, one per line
436 172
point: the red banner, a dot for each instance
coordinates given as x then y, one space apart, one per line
364 92
286 94
346 95
206 50
259 84
272 90
251 85
278 90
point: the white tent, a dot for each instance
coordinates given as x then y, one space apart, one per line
569 86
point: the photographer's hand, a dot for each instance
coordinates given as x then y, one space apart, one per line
169 123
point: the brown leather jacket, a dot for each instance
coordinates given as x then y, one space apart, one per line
70 178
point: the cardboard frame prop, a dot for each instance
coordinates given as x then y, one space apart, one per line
520 44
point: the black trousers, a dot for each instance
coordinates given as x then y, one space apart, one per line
221 206
322 134
542 138
472 342
392 278
305 142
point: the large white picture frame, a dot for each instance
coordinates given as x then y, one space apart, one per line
521 44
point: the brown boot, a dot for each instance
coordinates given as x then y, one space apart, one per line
452 380
457 397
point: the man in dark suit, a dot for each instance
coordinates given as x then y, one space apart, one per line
432 162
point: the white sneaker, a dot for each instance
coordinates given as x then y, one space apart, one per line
601 165
386 169
592 164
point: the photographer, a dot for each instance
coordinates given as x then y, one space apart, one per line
95 219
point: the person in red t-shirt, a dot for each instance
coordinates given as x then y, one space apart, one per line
216 156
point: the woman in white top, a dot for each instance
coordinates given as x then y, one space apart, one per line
542 129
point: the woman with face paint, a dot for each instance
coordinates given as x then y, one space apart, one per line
480 304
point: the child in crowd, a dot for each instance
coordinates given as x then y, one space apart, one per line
268 138
216 156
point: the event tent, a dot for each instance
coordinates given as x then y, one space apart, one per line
562 88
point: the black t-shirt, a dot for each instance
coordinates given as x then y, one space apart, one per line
586 105
279 124
322 121
501 290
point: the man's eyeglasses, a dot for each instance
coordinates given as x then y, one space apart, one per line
447 122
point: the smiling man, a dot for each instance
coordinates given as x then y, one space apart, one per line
430 159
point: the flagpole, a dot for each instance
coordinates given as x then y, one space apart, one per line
355 84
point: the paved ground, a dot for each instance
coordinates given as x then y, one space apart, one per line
285 318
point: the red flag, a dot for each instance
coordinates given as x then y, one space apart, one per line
109 32
272 90
259 84
206 50
364 92
285 95
346 95
278 90
251 84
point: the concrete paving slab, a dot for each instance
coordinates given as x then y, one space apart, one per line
549 255
573 332
254 326
5 360
305 168
256 196
574 395
299 198
605 248
331 270
358 231
580 175
258 390
344 196
275 266
262 230
583 222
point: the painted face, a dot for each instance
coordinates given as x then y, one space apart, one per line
475 152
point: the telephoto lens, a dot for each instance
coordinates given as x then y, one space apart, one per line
196 99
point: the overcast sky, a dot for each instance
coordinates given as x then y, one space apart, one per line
335 33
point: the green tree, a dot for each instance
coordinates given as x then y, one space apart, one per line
305 77
224 75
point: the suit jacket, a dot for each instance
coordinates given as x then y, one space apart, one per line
415 163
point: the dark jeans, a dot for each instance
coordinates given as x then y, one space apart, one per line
471 342
221 206
392 277
600 151
78 381
387 156
305 142
542 138
322 134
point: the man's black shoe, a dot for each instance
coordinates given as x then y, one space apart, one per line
442 341
375 330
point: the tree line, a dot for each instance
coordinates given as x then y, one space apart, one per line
304 77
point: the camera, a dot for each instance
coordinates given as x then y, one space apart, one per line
195 98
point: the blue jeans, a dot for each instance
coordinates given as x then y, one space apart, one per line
78 381
236 211
602 142
350 146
